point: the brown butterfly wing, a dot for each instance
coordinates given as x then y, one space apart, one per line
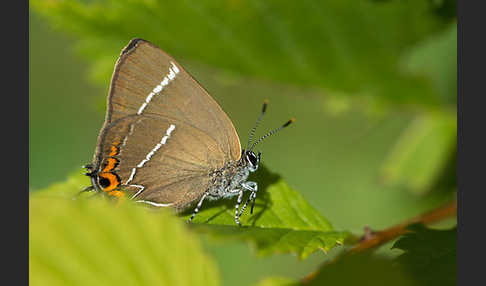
147 81
152 97
168 158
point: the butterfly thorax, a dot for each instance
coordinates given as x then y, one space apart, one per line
226 181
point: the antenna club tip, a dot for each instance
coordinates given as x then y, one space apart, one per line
265 102
288 122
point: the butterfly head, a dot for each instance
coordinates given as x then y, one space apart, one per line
252 160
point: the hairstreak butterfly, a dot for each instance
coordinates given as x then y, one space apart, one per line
165 141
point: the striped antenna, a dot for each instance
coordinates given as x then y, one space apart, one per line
272 132
264 108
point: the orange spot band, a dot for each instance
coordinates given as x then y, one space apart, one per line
114 150
112 179
110 165
117 194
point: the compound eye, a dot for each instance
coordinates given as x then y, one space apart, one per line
252 158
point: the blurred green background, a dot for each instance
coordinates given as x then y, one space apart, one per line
372 85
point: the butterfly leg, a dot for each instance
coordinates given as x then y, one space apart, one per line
196 210
253 188
238 202
87 189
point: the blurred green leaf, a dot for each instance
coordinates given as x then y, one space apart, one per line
424 148
282 221
92 242
430 255
446 9
352 47
364 269
276 281
420 153
435 58
66 189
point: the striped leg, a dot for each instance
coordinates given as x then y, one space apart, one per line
196 210
253 187
253 204
238 202
252 196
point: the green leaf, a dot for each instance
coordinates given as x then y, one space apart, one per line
421 152
435 58
364 269
348 46
282 221
94 242
446 9
276 281
430 255
68 189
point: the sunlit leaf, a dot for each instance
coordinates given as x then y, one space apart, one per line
282 221
276 281
93 242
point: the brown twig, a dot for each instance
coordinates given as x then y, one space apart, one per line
372 239
380 237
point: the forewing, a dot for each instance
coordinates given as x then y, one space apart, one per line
147 81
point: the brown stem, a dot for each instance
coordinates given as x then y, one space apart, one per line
374 239
381 237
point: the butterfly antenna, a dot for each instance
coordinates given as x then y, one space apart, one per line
252 132
272 132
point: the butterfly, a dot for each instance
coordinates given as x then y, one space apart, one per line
166 142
